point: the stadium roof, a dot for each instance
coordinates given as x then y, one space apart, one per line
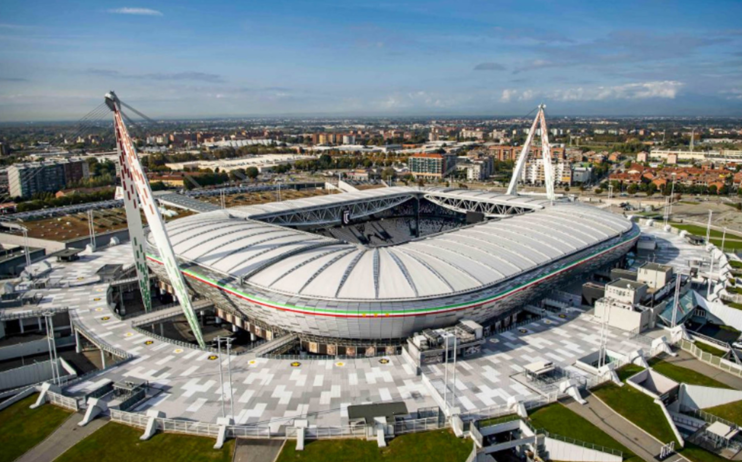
255 211
303 264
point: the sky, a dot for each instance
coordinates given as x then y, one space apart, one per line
235 58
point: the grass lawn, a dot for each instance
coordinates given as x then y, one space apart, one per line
434 445
736 306
709 349
561 420
735 264
698 454
115 442
701 231
681 374
22 428
627 371
729 245
730 411
638 408
498 420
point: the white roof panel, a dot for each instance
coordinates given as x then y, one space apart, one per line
298 263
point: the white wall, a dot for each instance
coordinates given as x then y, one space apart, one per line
697 397
559 450
24 349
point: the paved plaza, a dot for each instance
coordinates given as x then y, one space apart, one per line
275 390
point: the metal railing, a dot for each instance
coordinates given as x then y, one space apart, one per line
62 401
706 417
31 313
594 447
708 358
92 338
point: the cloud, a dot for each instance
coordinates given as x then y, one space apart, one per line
176 76
664 89
136 11
12 79
733 94
618 48
532 35
489 67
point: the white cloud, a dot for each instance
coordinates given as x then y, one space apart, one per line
136 11
510 94
666 89
733 94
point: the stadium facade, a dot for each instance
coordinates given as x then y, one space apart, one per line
372 267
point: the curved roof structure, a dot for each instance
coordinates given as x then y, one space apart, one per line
297 263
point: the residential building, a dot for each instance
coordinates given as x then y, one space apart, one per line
432 165
582 172
25 180
534 174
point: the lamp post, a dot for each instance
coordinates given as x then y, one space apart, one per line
52 343
221 375
672 191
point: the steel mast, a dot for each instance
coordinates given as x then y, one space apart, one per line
539 120
136 186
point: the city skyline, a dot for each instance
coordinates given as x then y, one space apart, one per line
188 60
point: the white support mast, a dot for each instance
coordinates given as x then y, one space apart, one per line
133 220
546 156
539 120
153 216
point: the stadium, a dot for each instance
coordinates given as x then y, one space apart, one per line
370 268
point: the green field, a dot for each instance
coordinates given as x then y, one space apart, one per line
558 419
22 428
627 371
701 231
434 445
730 411
115 442
683 375
698 454
498 420
638 408
709 349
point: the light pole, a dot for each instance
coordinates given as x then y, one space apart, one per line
52 344
229 374
445 380
221 375
672 191
228 341
708 229
723 239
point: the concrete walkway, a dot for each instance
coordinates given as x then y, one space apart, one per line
687 360
257 450
635 439
67 435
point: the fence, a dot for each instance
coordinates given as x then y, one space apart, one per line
264 431
595 447
98 343
62 401
706 417
708 358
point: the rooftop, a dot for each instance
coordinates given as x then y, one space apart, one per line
296 263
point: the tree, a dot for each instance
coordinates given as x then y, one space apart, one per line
599 191
388 173
252 172
633 188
